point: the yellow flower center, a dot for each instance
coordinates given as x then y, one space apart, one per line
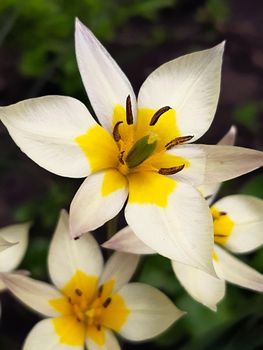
223 225
135 154
87 310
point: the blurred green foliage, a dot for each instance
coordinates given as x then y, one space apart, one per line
41 34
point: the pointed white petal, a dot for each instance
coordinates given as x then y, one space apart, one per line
235 271
18 236
105 83
227 162
247 214
203 287
111 343
217 163
209 191
45 129
126 241
151 312
181 231
229 139
189 84
34 294
99 199
44 337
120 267
67 256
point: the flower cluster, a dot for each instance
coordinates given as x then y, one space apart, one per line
140 155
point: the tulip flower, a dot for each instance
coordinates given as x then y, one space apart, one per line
140 151
90 302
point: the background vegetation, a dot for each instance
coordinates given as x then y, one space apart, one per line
37 58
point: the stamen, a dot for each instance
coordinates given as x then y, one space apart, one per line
171 171
107 302
177 141
99 327
129 116
78 292
158 113
121 157
76 238
100 291
220 235
222 213
116 133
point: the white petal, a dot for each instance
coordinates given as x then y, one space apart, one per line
105 83
218 163
120 267
111 343
17 235
181 231
209 191
247 215
2 285
151 312
203 287
235 271
4 244
44 337
34 294
194 172
127 242
190 84
45 129
229 139
91 208
67 256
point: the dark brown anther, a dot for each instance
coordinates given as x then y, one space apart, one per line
76 238
78 292
220 235
100 291
177 141
222 213
129 116
115 133
69 300
107 302
121 157
158 113
171 171
99 327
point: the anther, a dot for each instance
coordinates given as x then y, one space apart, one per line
171 171
76 238
177 141
116 133
100 291
158 113
129 116
222 213
121 157
99 327
78 292
70 300
107 302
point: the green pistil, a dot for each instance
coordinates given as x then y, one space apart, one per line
140 151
